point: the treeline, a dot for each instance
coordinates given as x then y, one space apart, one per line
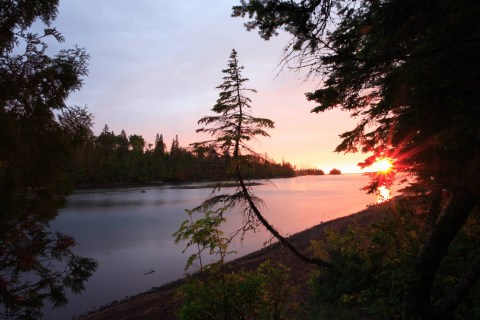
315 172
309 172
120 159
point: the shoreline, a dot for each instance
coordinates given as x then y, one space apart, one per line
173 183
162 301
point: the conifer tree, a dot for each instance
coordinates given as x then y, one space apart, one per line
232 127
123 143
408 71
159 145
175 147
40 135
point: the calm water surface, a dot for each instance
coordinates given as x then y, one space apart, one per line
129 232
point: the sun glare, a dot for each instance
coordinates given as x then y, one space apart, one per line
382 165
384 170
383 194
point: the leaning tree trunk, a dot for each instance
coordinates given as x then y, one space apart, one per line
448 224
449 303
435 204
274 232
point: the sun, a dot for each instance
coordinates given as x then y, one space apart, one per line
382 165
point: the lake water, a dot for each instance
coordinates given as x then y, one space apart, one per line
129 232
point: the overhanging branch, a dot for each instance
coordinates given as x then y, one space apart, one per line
274 232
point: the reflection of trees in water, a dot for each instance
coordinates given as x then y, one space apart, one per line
36 153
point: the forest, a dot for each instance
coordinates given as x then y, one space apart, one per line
110 159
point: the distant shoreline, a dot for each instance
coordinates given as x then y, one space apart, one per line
174 184
160 183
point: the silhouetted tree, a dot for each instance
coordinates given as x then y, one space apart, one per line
160 147
77 122
105 163
409 71
123 144
36 155
232 128
137 143
233 125
175 147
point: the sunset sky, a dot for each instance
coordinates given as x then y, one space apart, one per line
155 64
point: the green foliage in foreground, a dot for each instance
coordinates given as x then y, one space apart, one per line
204 234
373 265
261 294
216 291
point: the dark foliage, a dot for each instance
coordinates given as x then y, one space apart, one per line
408 71
335 172
40 136
374 263
111 159
309 172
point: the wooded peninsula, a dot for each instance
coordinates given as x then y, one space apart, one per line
117 159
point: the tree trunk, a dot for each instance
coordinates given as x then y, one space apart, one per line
436 200
418 302
459 292
275 233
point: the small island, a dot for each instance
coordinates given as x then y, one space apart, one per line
335 172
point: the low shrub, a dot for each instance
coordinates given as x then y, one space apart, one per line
373 265
263 294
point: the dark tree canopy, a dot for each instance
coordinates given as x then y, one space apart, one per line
39 138
35 146
408 71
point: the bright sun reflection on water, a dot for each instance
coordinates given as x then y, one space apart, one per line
384 167
384 194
